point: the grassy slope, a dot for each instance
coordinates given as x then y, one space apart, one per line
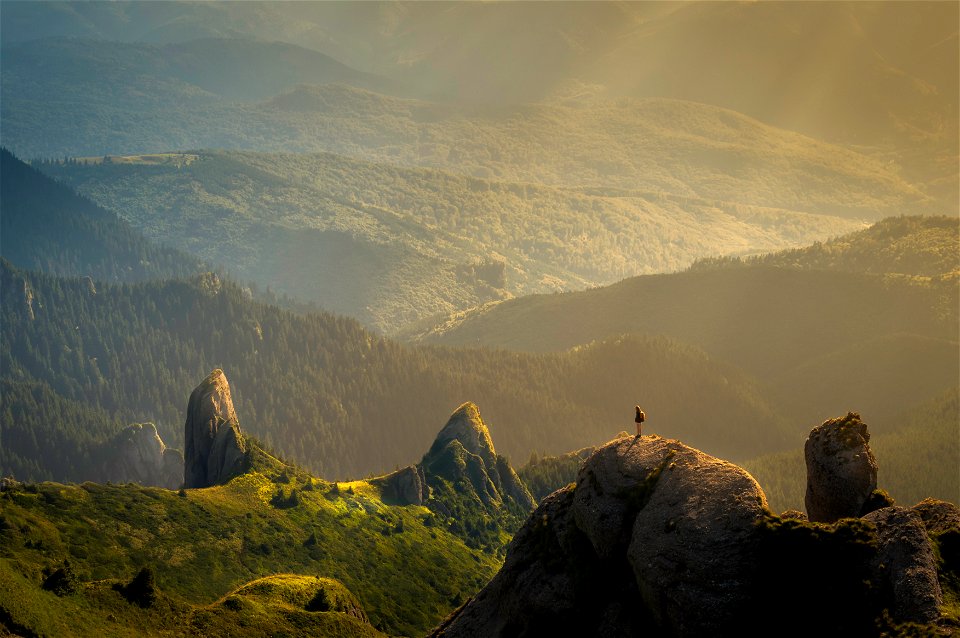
97 609
405 568
390 245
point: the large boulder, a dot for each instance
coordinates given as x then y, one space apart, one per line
682 518
841 469
551 584
691 542
653 539
137 454
215 448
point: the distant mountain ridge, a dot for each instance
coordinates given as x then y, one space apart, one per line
880 77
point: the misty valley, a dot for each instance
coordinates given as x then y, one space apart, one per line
480 320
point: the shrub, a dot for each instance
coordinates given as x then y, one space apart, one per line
141 590
61 581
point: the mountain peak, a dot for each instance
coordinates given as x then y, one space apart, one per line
466 426
464 450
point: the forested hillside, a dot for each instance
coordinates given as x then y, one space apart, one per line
46 226
390 245
824 341
328 393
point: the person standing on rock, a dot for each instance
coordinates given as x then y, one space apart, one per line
639 419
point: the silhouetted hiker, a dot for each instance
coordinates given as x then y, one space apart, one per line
639 419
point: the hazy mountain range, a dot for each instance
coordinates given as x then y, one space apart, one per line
880 77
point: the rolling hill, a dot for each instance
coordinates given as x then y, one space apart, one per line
221 557
862 69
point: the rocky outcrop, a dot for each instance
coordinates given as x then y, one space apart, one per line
137 454
654 537
657 538
938 516
905 563
28 299
841 469
215 450
464 450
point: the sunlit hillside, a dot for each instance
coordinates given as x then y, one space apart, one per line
392 245
204 547
881 77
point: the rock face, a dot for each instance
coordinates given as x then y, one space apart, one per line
655 537
138 455
464 449
841 470
905 562
215 448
